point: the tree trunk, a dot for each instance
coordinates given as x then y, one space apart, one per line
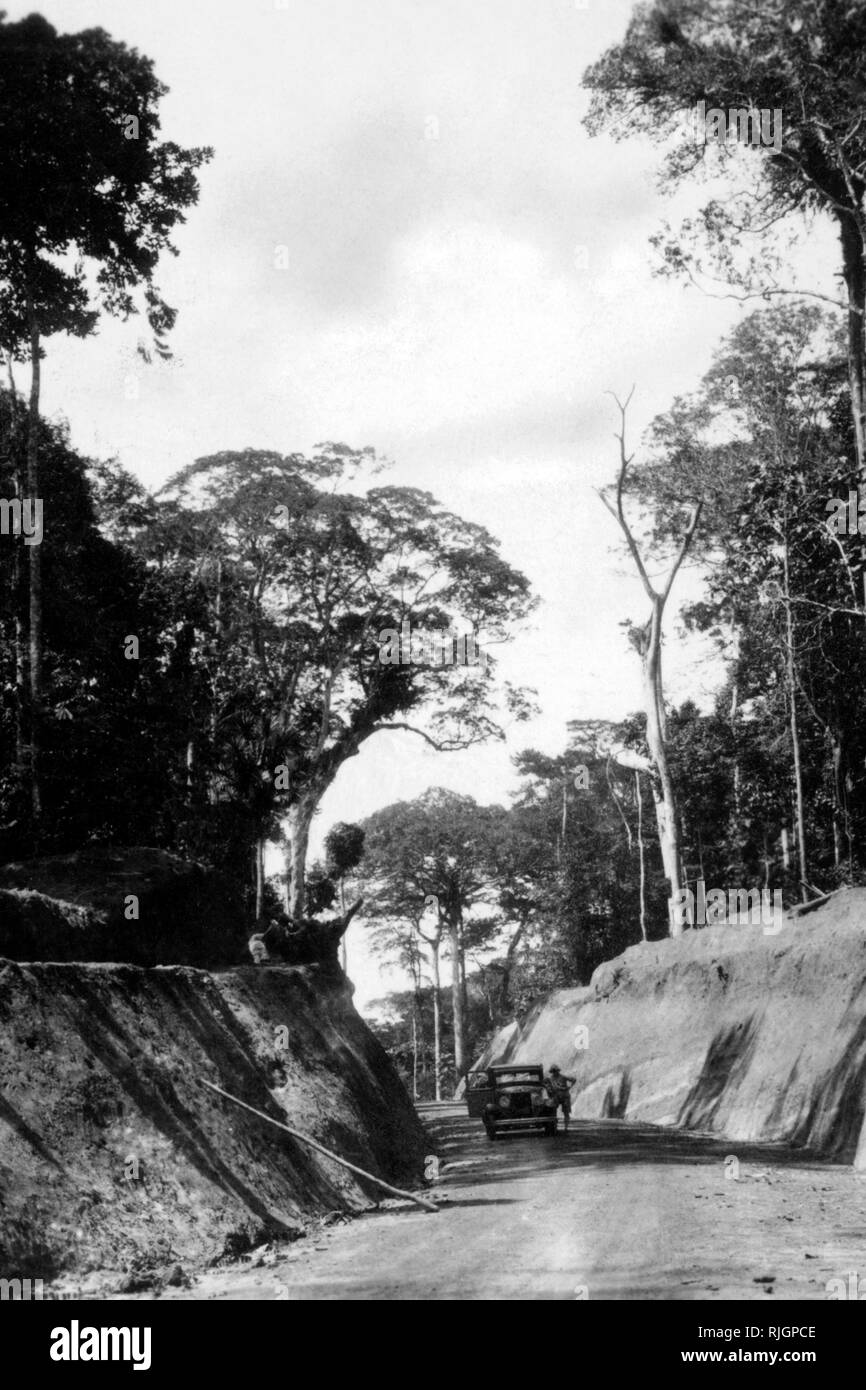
437 1019
505 976
218 601
464 995
35 563
18 587
260 876
415 1047
854 273
842 846
662 783
20 600
735 833
457 1003
798 798
836 763
344 951
641 853
795 734
300 819
560 848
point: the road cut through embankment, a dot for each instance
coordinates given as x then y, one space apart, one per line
727 1030
113 1156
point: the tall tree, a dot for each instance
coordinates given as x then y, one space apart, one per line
647 640
89 197
802 58
310 575
584 888
105 715
437 864
779 579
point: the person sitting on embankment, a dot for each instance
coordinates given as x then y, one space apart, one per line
301 941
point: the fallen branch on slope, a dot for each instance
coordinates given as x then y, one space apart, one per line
305 1139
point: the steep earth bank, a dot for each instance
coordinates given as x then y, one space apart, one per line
113 1156
725 1030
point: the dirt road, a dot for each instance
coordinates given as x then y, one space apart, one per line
611 1210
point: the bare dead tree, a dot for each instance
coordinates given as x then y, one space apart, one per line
648 644
641 853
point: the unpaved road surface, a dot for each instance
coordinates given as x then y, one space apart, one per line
611 1210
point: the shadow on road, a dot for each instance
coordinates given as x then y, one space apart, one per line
469 1157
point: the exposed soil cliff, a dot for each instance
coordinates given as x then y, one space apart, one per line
726 1030
114 1156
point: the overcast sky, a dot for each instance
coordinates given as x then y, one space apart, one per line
465 274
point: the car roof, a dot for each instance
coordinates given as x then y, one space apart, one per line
519 1066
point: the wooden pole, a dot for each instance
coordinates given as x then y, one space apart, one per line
305 1139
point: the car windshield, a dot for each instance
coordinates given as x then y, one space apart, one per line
510 1078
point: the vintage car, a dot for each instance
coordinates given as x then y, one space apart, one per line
511 1098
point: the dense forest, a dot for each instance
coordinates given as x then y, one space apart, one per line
192 668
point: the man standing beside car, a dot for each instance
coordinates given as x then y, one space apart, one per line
558 1087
